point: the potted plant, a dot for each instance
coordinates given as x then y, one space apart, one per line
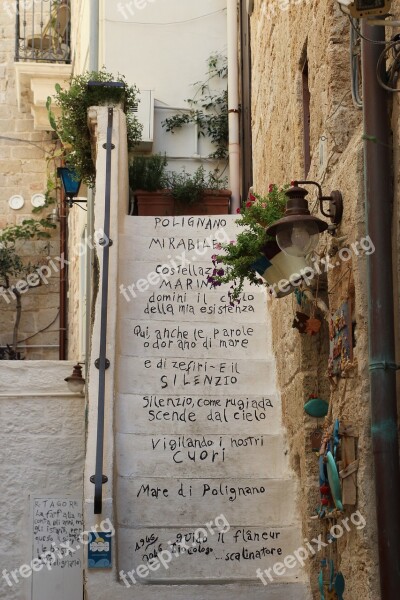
199 193
208 109
94 88
254 256
148 182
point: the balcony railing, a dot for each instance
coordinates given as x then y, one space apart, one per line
43 31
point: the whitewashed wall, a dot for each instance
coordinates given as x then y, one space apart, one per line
42 453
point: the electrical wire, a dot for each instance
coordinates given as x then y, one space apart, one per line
13 139
338 106
394 69
355 68
357 30
81 207
126 22
41 330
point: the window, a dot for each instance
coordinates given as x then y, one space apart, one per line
306 119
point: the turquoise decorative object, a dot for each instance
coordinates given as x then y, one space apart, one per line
339 586
321 584
334 481
316 407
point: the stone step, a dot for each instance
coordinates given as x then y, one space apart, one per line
207 305
162 227
209 456
162 501
171 413
271 547
204 590
221 340
137 277
136 376
175 248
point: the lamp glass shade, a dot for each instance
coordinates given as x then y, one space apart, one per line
298 238
70 181
76 382
75 385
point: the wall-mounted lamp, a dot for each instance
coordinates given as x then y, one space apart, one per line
76 382
363 8
54 216
297 233
71 184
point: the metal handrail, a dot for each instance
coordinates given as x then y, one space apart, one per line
102 363
43 31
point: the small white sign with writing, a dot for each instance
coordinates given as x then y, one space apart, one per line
57 548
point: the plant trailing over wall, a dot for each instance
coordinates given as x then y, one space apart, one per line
148 173
188 189
72 128
235 263
14 271
208 109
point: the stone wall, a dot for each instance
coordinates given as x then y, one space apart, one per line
43 447
281 39
23 172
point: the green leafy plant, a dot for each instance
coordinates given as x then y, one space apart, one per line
148 173
208 108
72 128
13 267
188 189
235 263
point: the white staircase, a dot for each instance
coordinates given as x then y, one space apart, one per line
198 431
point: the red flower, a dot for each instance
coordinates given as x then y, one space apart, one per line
238 210
252 198
271 187
249 204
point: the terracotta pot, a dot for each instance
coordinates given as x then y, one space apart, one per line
277 267
214 202
154 204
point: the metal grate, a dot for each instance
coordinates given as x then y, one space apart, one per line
43 31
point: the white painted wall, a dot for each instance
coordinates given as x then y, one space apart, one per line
163 46
80 34
42 453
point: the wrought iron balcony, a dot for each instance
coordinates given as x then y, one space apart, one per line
43 31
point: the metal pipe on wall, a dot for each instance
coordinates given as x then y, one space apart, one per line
93 66
94 35
63 278
382 360
246 86
233 102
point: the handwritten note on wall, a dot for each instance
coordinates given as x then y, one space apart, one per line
57 526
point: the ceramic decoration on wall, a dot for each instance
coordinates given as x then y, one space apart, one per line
340 340
16 202
38 200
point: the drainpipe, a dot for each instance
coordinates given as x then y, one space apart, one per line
63 278
382 361
93 66
233 103
245 95
94 35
